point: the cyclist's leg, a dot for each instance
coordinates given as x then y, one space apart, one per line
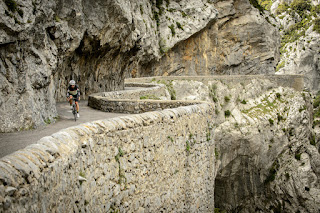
70 100
77 104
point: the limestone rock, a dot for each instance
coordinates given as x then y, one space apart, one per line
80 178
44 44
191 90
300 43
241 41
265 158
267 164
10 190
302 57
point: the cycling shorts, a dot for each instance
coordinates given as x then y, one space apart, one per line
76 97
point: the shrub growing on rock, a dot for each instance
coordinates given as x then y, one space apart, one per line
179 25
297 156
313 140
316 26
227 113
280 65
315 10
173 31
266 4
300 6
316 101
271 121
282 8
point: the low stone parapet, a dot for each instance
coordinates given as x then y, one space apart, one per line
134 106
298 82
129 101
136 91
155 161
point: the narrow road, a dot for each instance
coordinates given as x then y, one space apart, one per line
10 142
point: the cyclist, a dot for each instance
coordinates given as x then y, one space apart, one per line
73 92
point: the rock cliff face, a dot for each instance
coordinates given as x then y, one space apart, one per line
299 23
44 44
302 57
267 152
243 40
267 161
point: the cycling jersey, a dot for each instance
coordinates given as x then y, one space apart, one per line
75 91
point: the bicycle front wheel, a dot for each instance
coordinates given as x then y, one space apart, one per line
74 111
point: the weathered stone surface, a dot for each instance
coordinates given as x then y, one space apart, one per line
240 41
302 57
191 90
265 158
249 150
300 51
114 176
44 44
258 155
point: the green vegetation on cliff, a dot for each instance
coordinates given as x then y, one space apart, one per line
316 26
280 65
301 6
282 8
265 107
308 16
169 87
272 172
266 4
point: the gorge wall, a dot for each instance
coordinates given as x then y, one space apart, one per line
242 40
250 148
266 140
44 44
299 26
253 148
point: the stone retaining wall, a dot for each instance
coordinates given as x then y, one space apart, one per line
128 101
298 82
136 91
151 162
134 106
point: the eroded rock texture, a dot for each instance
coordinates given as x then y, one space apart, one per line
267 162
44 44
300 39
242 40
267 153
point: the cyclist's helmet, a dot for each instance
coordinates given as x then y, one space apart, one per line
72 82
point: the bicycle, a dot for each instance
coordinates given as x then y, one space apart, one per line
74 109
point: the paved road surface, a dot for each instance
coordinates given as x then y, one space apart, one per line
10 142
